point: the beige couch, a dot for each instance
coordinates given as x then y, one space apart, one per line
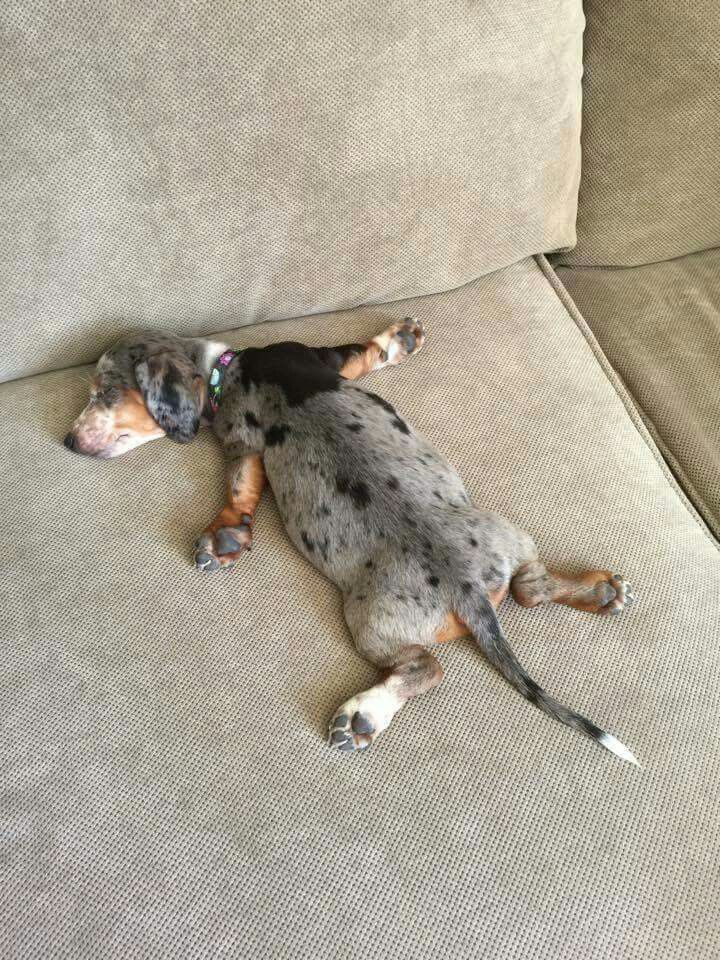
166 789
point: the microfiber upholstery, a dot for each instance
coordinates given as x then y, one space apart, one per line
650 186
202 165
659 326
166 791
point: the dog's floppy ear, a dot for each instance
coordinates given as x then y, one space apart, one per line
174 393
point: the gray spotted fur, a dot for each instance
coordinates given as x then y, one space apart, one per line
378 510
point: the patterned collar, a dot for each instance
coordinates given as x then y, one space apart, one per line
217 378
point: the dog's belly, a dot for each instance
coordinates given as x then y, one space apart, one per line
343 516
354 481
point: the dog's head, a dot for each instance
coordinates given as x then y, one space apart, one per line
146 386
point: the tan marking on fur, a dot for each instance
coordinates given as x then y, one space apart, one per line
245 484
534 584
362 363
496 597
452 628
131 416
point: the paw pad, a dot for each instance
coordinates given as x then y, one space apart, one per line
348 735
222 548
623 595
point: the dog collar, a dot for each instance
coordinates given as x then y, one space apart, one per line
217 378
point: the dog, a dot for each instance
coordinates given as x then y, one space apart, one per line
363 496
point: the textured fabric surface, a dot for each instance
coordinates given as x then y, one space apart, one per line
204 165
659 325
650 185
166 791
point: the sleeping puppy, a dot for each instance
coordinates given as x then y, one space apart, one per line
363 496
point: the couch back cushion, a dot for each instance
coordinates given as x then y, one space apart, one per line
650 186
200 165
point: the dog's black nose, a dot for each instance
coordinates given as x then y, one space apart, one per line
69 441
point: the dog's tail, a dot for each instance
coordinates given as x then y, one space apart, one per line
478 613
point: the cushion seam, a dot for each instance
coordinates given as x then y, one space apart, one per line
676 469
623 394
623 266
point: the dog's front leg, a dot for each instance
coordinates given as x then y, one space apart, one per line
392 346
230 533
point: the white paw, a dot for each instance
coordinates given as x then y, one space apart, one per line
362 718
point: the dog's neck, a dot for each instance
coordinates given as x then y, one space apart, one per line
211 350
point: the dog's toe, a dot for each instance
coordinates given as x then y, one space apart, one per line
222 548
206 562
349 735
621 597
361 723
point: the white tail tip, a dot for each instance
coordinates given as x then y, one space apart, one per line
612 744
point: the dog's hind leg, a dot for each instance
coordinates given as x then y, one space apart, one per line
392 346
594 591
357 722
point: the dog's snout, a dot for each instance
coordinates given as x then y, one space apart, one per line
69 441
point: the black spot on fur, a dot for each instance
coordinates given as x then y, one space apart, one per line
307 541
369 564
381 403
466 586
357 491
433 581
492 574
354 427
252 421
295 369
393 483
437 494
276 435
473 542
400 425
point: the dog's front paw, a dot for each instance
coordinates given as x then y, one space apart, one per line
222 548
401 340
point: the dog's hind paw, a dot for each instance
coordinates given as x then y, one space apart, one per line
401 340
621 595
351 733
362 718
221 548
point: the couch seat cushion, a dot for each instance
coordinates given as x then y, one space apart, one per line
166 788
660 328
